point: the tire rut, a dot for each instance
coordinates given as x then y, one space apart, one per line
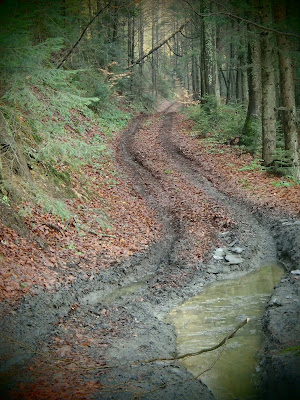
264 243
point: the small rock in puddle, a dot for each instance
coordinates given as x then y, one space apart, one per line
296 272
237 250
234 259
219 253
232 256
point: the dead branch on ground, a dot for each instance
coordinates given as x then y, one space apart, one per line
197 353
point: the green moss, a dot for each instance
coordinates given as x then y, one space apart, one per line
294 350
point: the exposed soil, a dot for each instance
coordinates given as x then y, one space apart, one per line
92 338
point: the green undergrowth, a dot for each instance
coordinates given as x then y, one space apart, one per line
218 121
51 124
224 123
292 350
55 148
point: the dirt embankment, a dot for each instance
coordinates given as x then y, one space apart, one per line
94 337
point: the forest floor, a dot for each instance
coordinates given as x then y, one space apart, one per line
83 307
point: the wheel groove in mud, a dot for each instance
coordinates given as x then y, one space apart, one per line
239 210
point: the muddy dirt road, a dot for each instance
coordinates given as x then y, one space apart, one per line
94 338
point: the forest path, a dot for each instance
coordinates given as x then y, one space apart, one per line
71 339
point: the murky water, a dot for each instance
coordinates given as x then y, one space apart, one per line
124 291
206 319
97 296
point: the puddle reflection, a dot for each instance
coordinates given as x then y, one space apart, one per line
206 319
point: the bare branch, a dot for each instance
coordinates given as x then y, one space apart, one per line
138 61
247 21
214 363
67 361
172 51
189 37
197 353
81 36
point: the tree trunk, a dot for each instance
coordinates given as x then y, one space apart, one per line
141 38
251 133
244 79
218 86
130 40
195 80
130 46
195 67
230 74
115 21
268 61
154 41
209 56
287 94
238 80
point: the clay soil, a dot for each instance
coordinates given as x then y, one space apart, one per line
84 306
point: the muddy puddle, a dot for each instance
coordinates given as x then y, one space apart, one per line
97 296
124 291
206 319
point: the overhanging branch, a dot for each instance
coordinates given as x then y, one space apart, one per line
138 61
81 36
172 51
190 37
247 21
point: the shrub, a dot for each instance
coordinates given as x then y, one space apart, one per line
223 121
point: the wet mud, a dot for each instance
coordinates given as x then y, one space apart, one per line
123 309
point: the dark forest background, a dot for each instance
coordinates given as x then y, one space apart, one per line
233 64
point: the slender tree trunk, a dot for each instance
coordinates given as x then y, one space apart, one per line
218 86
141 38
195 78
224 88
202 68
209 56
130 45
130 40
90 9
287 93
115 21
154 41
187 77
251 133
174 57
238 80
244 80
230 74
268 61
238 77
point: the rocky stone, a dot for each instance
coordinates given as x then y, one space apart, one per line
275 301
220 252
296 272
234 259
218 258
237 250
